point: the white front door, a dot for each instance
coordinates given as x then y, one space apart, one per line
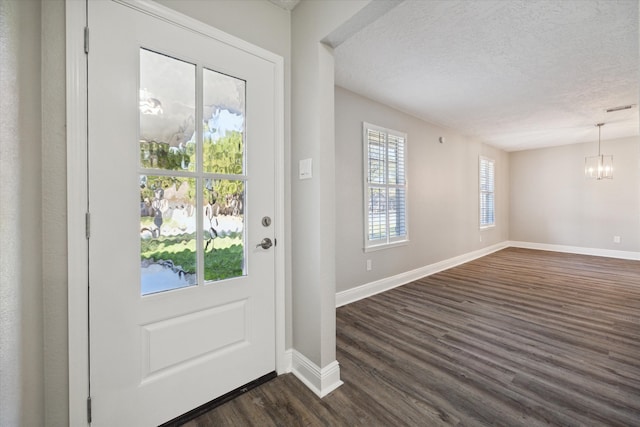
181 194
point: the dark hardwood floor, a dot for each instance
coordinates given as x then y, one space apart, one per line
517 338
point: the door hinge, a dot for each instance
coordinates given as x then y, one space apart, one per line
86 40
87 225
89 409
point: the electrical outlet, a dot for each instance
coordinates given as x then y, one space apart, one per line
616 239
368 265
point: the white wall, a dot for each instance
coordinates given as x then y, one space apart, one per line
443 193
552 202
21 316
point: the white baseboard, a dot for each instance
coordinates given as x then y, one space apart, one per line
609 253
382 285
370 289
321 381
287 362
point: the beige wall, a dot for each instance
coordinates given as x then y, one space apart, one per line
551 202
54 214
443 193
257 22
313 217
21 314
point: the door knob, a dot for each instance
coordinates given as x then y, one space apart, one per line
265 244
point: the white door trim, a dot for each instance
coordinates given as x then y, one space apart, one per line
77 190
77 248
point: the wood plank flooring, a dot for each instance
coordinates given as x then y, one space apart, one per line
517 338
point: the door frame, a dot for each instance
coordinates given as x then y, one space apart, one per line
77 190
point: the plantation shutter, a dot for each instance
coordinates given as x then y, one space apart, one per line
385 186
376 143
487 192
396 186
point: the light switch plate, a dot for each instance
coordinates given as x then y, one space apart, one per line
306 169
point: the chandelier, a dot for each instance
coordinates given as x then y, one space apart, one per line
600 166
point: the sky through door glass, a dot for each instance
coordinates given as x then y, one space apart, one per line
167 112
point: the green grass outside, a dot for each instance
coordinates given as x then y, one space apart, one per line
222 263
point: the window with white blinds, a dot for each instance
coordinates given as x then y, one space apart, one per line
487 193
385 207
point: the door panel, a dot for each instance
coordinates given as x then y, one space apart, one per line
181 299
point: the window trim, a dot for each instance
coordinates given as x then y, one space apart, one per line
492 162
388 242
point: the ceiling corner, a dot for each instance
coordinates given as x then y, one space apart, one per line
285 4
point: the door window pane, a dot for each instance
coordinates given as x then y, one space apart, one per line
167 233
167 112
224 236
180 231
223 123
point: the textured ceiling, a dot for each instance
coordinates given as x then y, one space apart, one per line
516 74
